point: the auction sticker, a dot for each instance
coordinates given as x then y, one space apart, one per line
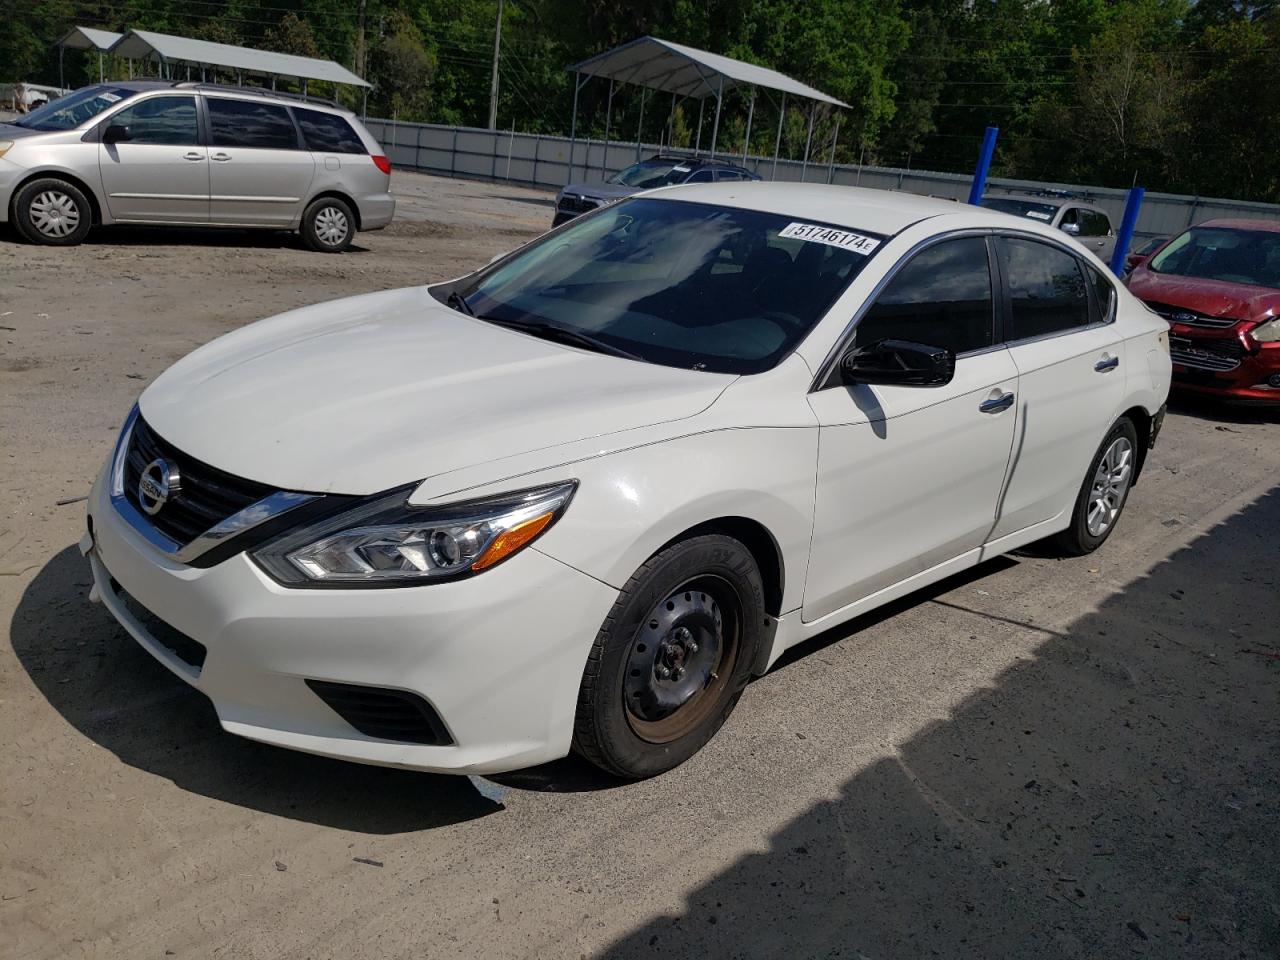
833 238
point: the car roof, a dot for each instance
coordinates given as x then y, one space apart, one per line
693 162
857 208
219 89
1270 226
1048 199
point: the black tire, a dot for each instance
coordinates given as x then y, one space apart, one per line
620 725
53 212
328 225
1078 539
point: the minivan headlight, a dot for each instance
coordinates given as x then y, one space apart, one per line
1268 332
386 542
5 146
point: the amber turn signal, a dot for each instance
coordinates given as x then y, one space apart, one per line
512 540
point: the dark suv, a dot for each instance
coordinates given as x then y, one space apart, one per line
656 171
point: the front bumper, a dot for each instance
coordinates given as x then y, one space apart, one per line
1226 366
498 656
10 175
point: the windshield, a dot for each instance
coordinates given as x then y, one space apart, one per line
1223 253
67 113
652 173
1021 208
688 285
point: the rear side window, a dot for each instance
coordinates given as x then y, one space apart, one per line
327 132
1104 295
1094 224
941 298
700 176
1047 292
245 123
164 120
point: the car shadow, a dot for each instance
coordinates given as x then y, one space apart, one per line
219 237
110 690
1111 795
1220 411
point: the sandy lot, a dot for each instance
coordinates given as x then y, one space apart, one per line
1039 759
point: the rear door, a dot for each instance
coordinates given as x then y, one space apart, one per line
1059 320
161 174
1096 233
259 171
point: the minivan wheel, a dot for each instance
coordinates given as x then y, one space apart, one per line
1103 493
328 225
672 657
53 212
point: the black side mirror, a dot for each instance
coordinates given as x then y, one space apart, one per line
899 362
117 133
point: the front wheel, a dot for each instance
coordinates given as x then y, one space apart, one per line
672 658
328 225
52 212
1103 494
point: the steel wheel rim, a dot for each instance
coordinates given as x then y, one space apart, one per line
54 213
1110 484
681 659
331 226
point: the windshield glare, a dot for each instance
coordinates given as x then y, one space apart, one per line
1021 208
1220 253
652 173
67 113
682 284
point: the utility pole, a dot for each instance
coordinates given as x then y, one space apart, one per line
493 82
360 44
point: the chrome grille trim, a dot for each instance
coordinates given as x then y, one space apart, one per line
1201 361
1189 318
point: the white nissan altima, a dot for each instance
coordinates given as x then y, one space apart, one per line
577 499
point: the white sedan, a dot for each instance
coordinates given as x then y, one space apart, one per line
577 499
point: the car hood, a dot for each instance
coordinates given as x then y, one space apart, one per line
11 131
1210 298
599 191
372 392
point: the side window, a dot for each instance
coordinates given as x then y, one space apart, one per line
1047 292
941 298
1071 216
1096 224
700 176
327 132
166 120
728 175
246 123
1104 295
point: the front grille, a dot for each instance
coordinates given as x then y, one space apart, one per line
1189 318
384 713
575 205
1207 354
205 498
191 652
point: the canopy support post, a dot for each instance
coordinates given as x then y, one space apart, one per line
608 118
697 144
751 112
640 124
777 146
671 122
62 81
715 127
99 66
573 124
804 166
831 164
364 104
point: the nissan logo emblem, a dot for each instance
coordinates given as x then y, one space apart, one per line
160 480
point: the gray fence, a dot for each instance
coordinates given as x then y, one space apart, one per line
544 161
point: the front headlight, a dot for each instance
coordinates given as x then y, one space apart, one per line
1268 332
386 542
5 146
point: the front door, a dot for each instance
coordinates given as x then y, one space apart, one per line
259 173
161 173
909 477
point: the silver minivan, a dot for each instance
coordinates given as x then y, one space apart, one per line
164 152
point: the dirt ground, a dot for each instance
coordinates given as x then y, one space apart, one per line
1039 759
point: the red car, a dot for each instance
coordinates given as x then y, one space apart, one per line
1218 285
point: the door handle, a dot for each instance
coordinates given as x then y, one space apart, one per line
220 157
193 156
1107 363
996 404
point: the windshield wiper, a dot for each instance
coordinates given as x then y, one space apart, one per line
459 303
549 331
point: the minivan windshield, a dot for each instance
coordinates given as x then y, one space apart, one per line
1022 208
682 284
67 113
648 174
1223 253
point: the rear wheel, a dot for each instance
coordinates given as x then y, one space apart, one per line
328 225
672 658
1103 493
53 212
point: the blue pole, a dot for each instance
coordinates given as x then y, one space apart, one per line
979 186
1125 237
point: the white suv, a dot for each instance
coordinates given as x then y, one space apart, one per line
580 497
160 152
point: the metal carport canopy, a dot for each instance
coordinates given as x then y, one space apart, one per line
85 38
682 71
142 44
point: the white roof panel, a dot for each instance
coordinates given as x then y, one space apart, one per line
140 44
675 68
89 38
